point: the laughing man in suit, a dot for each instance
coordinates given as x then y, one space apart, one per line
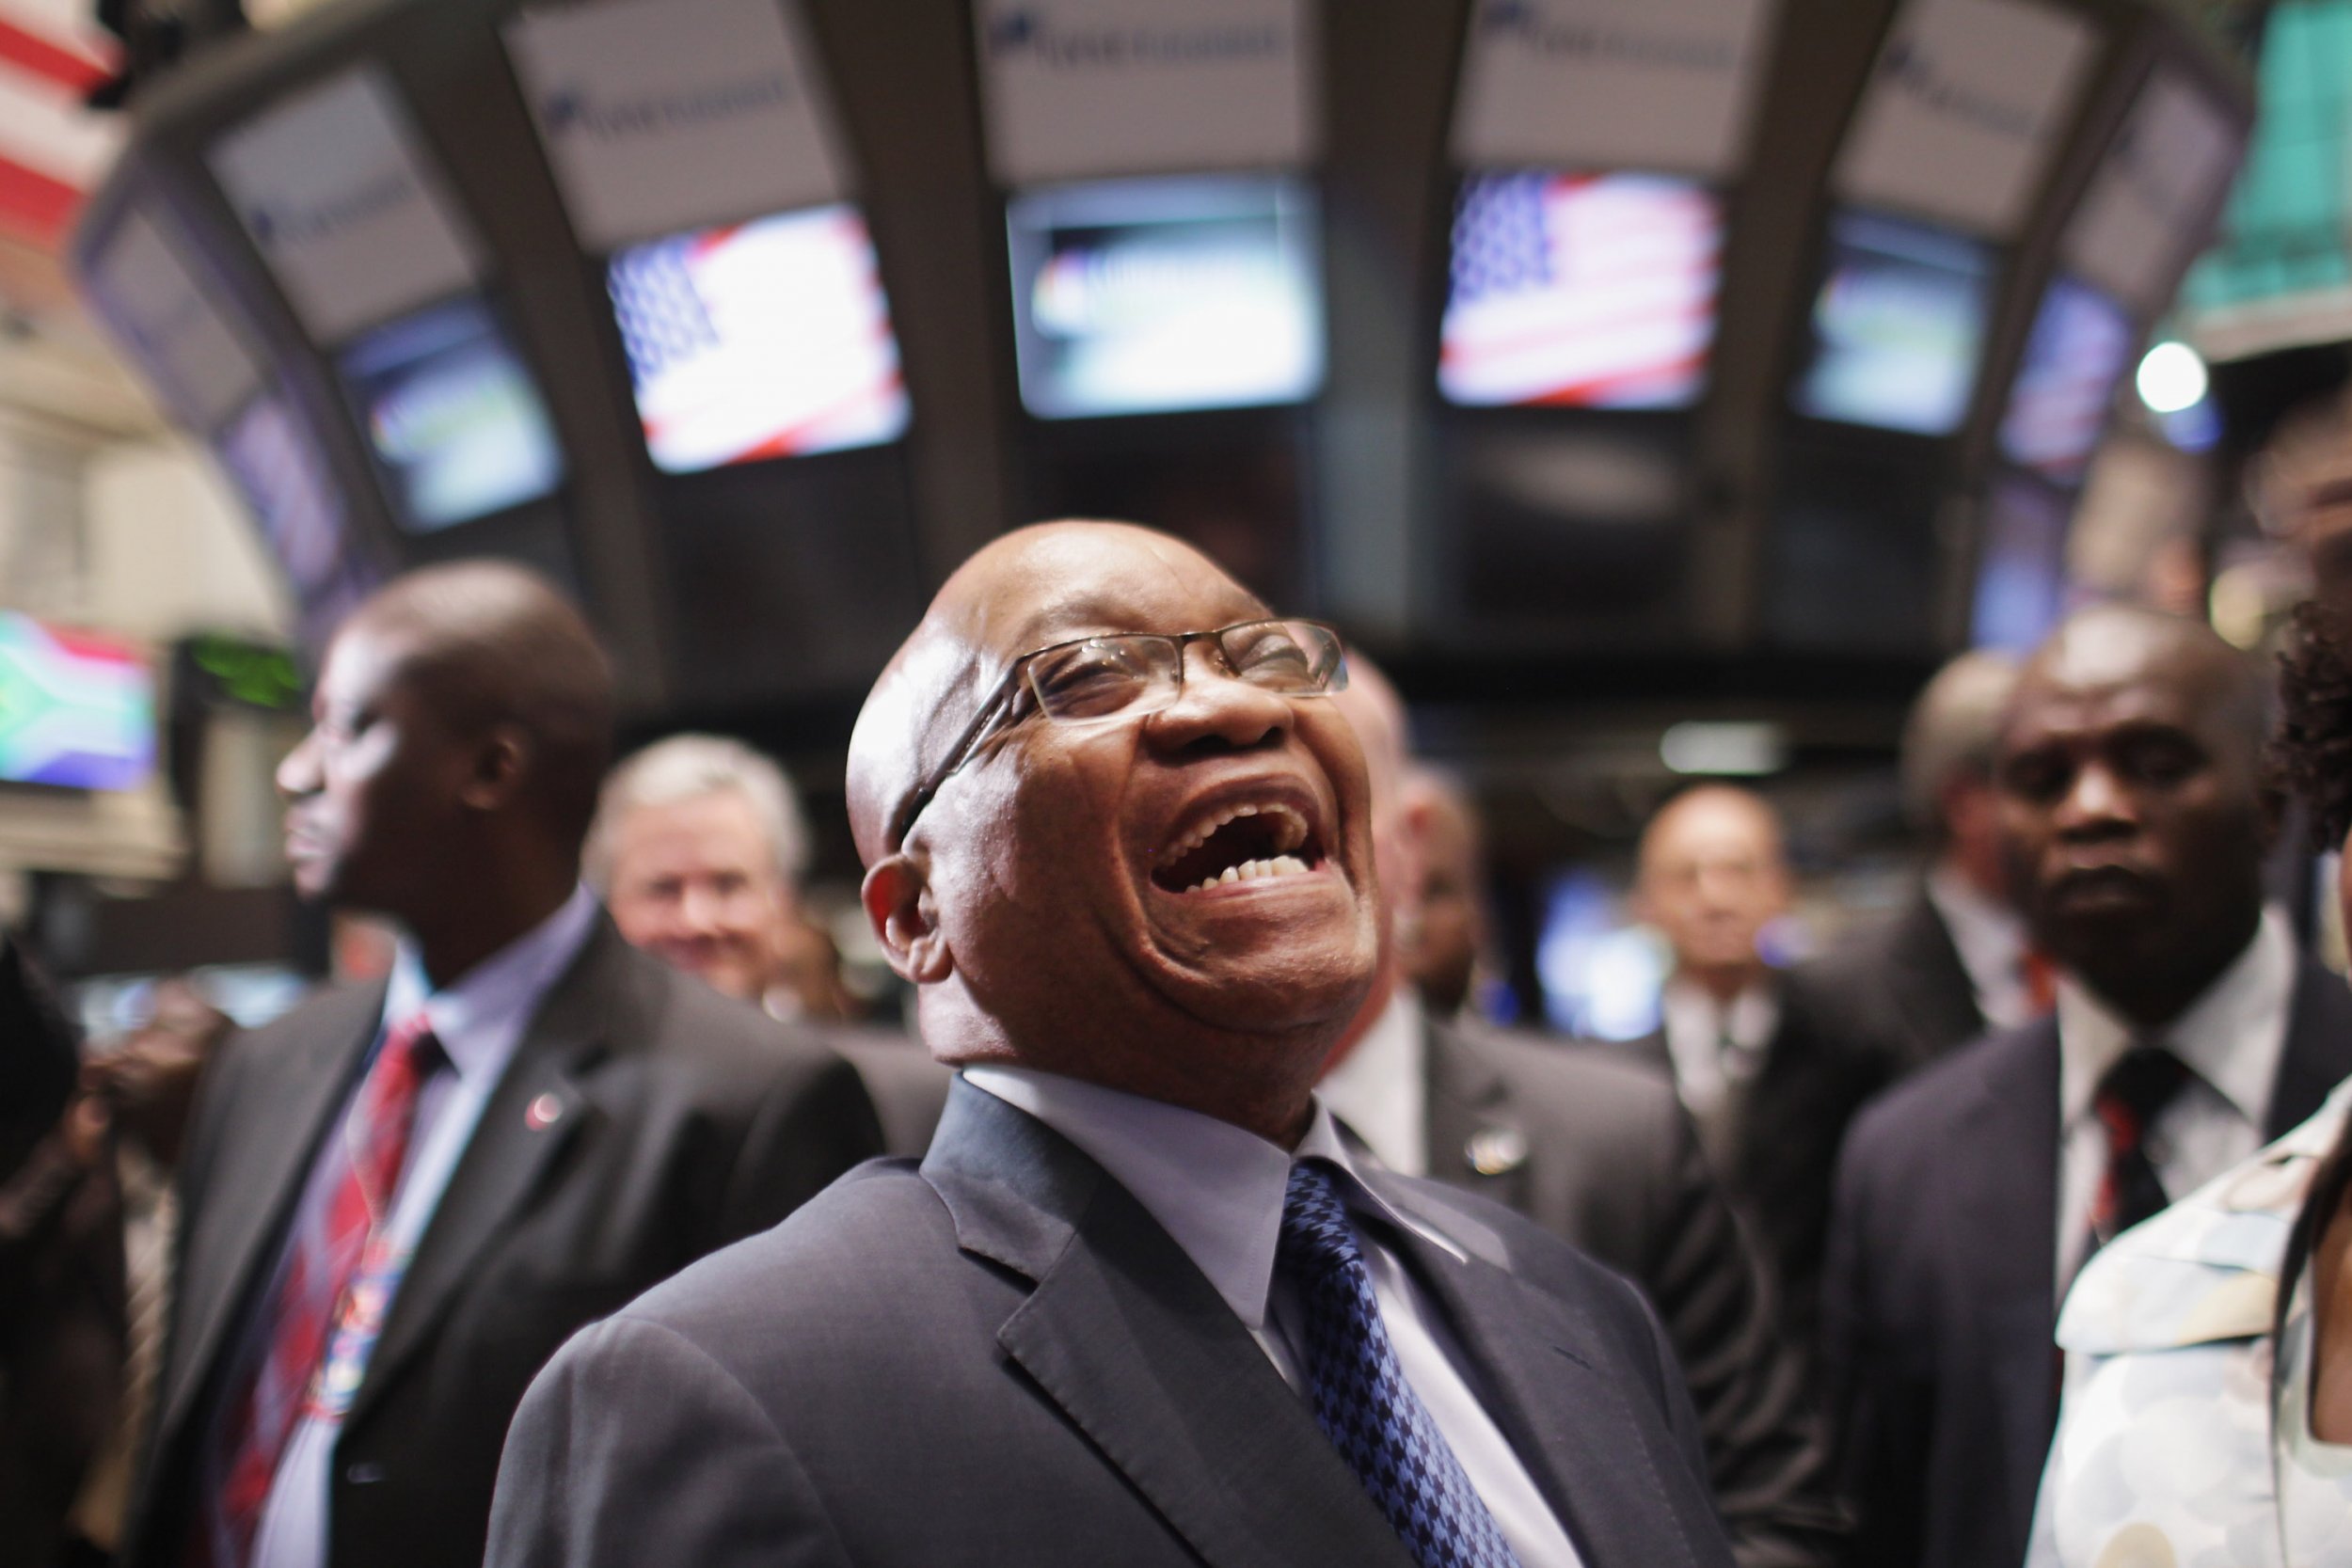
2188 1032
400 1198
1141 1304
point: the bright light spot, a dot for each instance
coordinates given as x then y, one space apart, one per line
2238 606
2171 377
1693 747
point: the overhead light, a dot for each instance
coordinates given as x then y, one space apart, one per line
2171 377
1720 750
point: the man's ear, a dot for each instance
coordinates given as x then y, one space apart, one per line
898 905
495 771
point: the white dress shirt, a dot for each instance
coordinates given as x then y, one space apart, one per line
1990 939
2231 1040
1218 1191
1381 1087
478 1022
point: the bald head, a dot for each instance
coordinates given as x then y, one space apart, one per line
488 643
1170 893
2113 647
1712 876
1040 584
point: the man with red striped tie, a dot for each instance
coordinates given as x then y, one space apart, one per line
401 1198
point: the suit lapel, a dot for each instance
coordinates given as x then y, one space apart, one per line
1934 985
2005 1226
1592 1455
1127 1337
532 1114
2318 1050
1474 1139
258 1180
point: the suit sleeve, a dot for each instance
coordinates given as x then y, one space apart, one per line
1881 1446
814 1123
634 1447
38 1057
1767 1451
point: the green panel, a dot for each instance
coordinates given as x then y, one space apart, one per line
2285 229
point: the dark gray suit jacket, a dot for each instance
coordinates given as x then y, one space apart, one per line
1609 1162
1000 1357
1940 1303
681 1121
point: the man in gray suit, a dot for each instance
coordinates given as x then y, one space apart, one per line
399 1199
1141 1304
1599 1151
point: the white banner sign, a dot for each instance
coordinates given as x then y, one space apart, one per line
337 193
1079 88
664 114
1965 106
155 305
2148 204
1611 83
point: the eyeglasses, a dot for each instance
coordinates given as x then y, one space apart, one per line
1094 679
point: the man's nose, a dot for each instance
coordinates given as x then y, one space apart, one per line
2097 804
699 907
1217 707
299 771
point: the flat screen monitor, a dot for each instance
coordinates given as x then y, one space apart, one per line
284 483
1898 326
77 711
2080 342
456 425
2021 575
1145 297
1591 291
768 339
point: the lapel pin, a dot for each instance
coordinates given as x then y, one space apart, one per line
1493 1150
544 1113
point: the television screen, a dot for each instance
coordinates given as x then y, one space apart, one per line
76 710
1141 296
1898 325
300 513
1591 291
2021 574
2057 407
768 339
455 420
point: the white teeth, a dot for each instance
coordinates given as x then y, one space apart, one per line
1249 871
1289 834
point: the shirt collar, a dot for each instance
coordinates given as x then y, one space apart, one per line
480 1019
1988 934
2232 1036
1377 1089
1216 1189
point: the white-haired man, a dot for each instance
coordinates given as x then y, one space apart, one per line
698 847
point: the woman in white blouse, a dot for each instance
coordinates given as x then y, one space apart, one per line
2207 1422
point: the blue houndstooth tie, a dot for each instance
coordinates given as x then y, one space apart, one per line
1362 1400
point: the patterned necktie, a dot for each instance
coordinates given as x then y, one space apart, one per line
313 1297
2131 1096
1362 1400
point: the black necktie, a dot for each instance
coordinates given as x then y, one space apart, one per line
2131 1096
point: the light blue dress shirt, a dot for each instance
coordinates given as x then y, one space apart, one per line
478 1022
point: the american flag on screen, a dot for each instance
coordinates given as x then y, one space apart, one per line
1588 290
768 339
53 150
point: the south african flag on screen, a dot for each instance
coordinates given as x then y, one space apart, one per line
75 710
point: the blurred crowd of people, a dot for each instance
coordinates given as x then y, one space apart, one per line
2007 1229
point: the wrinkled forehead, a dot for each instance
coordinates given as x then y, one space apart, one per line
2117 672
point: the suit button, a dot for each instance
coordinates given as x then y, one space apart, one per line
363 1474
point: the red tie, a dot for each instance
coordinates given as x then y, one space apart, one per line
2041 977
314 1298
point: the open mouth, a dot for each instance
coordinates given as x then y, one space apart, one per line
1237 844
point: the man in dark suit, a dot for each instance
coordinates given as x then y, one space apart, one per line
2187 1033
1141 1304
399 1200
1596 1150
1902 991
